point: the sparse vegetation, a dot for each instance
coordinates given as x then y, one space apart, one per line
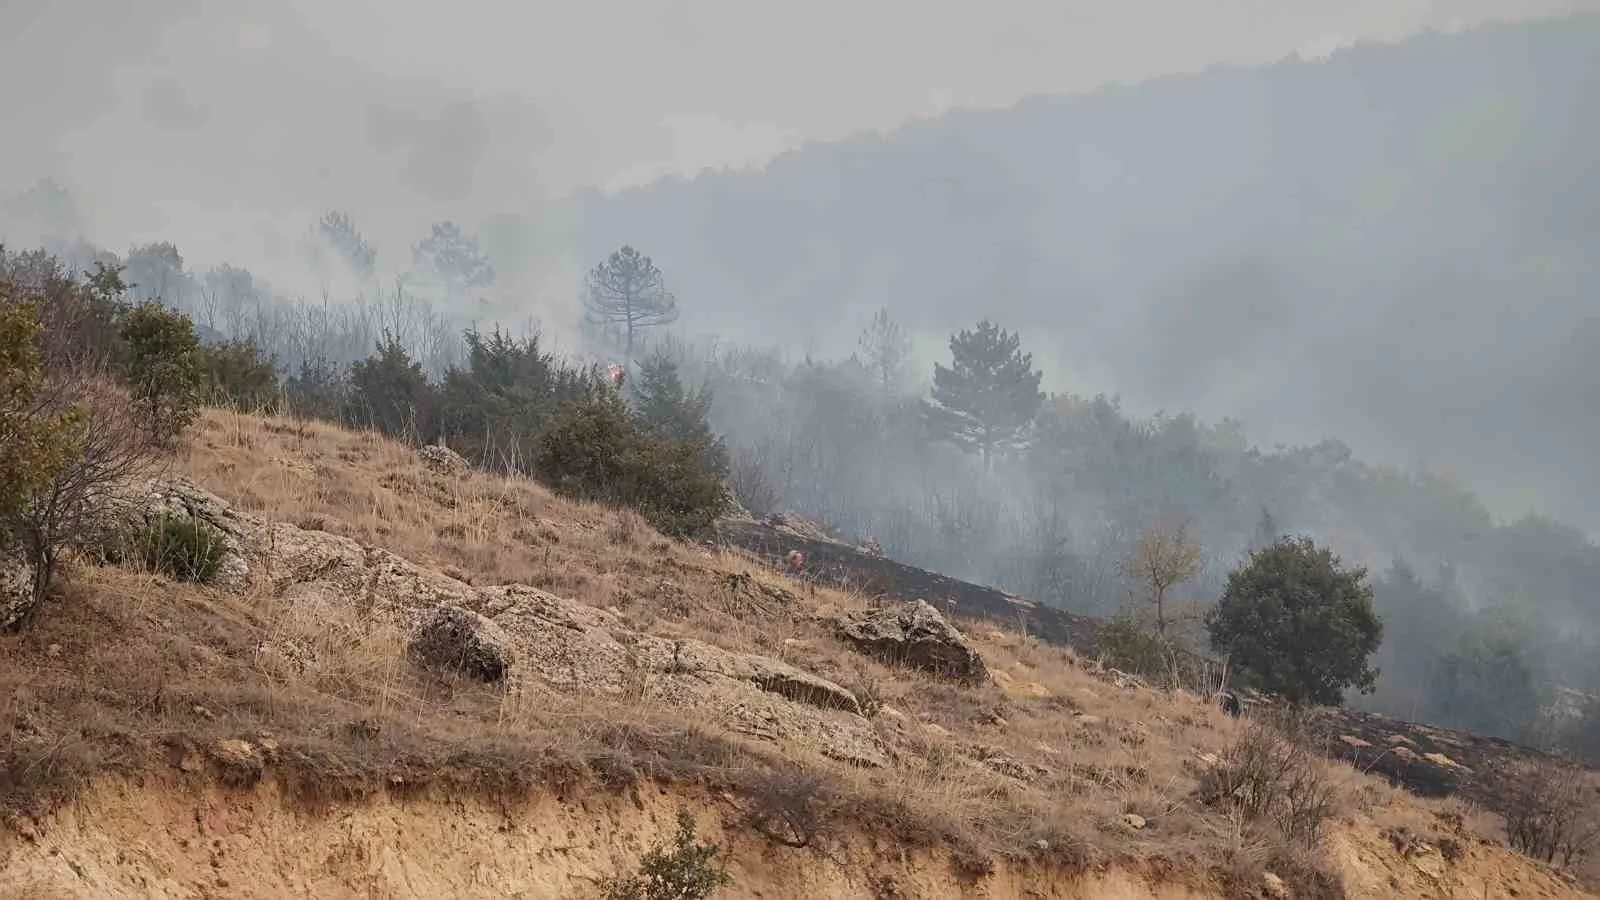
1554 812
1164 557
1271 778
185 548
687 871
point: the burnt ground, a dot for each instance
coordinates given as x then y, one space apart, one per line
1425 759
840 565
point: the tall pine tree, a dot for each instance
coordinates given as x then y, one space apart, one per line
627 290
988 397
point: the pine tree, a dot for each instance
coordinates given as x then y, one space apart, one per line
884 348
455 257
665 407
988 397
628 290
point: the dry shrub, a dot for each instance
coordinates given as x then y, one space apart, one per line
1271 777
790 805
750 484
1554 812
626 528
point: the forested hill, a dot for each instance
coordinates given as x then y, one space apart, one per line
1397 245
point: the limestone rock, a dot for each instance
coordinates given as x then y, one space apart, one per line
16 591
456 639
239 762
441 460
914 634
146 503
517 632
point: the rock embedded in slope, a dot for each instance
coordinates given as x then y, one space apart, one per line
441 460
913 634
459 640
16 591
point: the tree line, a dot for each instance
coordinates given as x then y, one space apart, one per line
973 471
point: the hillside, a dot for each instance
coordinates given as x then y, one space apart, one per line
1315 248
273 735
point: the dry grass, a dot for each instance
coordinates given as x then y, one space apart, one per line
1049 761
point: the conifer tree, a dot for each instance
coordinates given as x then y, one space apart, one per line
628 290
988 397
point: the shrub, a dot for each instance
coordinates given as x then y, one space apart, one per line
686 872
1554 812
162 368
594 450
239 374
1270 777
1123 645
186 549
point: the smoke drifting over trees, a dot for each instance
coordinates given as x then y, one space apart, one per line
1362 286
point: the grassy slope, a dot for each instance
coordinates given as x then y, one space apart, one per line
127 671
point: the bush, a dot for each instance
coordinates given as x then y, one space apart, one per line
1123 645
162 368
1270 777
239 374
594 450
186 549
1554 812
687 872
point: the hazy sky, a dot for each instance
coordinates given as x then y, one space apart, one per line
218 124
690 83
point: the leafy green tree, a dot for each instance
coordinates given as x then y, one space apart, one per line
629 291
1298 623
162 368
987 399
239 374
33 444
1484 681
63 440
389 392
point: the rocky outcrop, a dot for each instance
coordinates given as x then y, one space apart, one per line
16 591
149 502
441 460
453 639
511 633
913 634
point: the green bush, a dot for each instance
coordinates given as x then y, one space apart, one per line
595 450
1122 644
688 871
186 549
240 375
162 368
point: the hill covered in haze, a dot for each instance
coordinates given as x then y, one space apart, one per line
1395 245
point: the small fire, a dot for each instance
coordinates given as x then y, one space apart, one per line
615 371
